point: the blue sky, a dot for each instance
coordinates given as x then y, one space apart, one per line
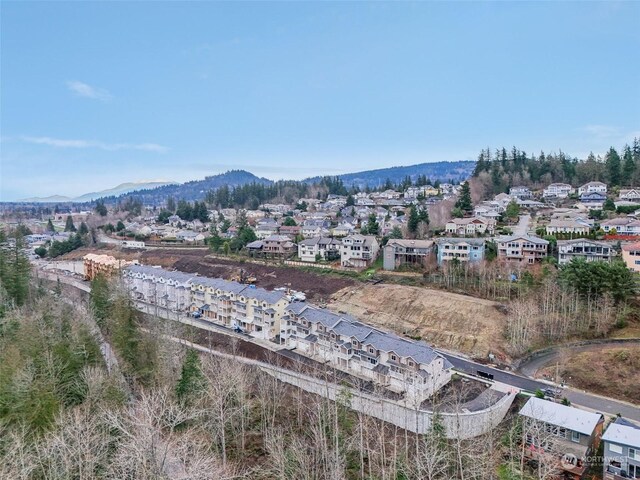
98 93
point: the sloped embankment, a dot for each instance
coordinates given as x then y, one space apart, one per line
446 320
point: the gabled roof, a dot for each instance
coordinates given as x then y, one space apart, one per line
561 415
623 432
528 238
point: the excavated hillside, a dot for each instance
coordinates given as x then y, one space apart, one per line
446 320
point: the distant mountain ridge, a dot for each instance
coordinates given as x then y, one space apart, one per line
121 189
443 171
156 192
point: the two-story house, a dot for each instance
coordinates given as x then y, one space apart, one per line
622 226
589 250
523 193
471 226
593 187
460 249
325 247
398 252
522 248
562 436
630 194
621 450
278 246
558 190
593 200
358 251
406 367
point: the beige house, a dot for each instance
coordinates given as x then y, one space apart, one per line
471 226
522 248
566 226
631 256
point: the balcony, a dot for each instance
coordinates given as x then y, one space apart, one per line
615 473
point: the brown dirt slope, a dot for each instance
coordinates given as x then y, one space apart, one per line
269 276
446 320
610 371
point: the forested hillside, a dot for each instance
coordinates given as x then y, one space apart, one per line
498 170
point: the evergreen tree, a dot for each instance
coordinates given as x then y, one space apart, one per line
628 166
612 165
69 226
395 233
464 200
350 201
101 209
120 226
191 380
50 227
84 230
373 228
414 220
14 269
289 222
99 298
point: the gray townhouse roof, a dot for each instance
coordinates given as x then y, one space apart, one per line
578 241
352 329
296 307
561 415
159 272
388 342
309 242
411 243
623 432
263 295
255 244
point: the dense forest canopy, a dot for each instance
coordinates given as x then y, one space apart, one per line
501 169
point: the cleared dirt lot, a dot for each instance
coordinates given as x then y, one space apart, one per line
447 320
612 371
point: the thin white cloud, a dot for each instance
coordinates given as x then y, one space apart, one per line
65 143
82 89
602 131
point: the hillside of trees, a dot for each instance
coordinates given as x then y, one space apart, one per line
501 169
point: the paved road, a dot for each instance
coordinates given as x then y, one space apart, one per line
583 399
523 225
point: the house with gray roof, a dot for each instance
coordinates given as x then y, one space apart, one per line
406 367
358 251
522 248
326 247
621 450
561 435
399 252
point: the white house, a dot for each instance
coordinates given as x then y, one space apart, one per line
558 190
327 248
622 226
630 194
358 251
593 187
471 226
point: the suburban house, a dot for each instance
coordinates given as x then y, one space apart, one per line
175 220
563 436
520 192
104 265
278 246
557 225
631 256
518 248
471 226
399 252
265 228
189 236
290 231
622 226
558 190
486 211
593 200
358 251
406 367
593 187
460 249
589 250
327 248
342 230
315 228
621 450
630 194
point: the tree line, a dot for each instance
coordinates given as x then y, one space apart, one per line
501 169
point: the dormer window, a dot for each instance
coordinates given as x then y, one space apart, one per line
393 357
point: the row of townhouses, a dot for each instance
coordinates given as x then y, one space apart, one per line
402 366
